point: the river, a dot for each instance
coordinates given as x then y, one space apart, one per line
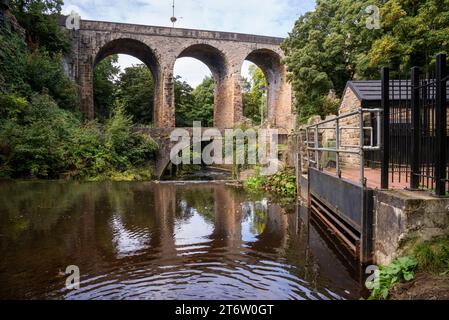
169 240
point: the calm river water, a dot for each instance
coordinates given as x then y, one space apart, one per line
163 241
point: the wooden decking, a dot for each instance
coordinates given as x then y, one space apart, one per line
373 177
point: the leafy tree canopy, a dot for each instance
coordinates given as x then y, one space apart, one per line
136 93
332 44
40 20
105 88
254 95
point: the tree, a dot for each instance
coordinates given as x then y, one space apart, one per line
183 102
331 45
324 49
413 33
254 94
136 93
105 87
40 20
46 73
194 104
203 103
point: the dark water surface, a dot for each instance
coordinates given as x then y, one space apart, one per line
162 241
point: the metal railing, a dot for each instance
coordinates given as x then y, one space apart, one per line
416 139
313 144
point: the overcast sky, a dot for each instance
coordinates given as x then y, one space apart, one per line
264 17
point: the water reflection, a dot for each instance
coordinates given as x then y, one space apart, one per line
161 241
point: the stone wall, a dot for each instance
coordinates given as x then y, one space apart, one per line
349 137
404 217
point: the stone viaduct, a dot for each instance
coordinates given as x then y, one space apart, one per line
159 47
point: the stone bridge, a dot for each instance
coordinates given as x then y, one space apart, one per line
162 137
159 47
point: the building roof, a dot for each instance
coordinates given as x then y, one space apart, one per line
369 91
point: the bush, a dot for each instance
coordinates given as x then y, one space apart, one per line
433 256
399 270
35 140
13 61
430 256
43 141
11 105
283 183
45 72
127 148
86 154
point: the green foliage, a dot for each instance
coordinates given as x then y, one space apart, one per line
43 141
127 149
40 20
323 50
331 45
282 183
413 32
13 61
26 72
203 103
254 184
33 145
397 271
194 104
183 102
11 105
104 87
136 93
433 256
430 256
45 72
41 134
254 99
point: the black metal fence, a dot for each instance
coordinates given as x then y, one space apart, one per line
414 130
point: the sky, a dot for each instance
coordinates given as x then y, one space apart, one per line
262 17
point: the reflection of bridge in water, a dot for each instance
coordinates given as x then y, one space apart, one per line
210 237
146 240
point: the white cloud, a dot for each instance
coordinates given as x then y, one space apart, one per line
265 17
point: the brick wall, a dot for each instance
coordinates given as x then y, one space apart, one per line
350 103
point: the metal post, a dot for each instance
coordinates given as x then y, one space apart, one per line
362 143
440 128
307 148
385 80
337 146
416 130
316 145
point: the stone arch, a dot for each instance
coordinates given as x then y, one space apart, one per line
269 62
217 62
140 51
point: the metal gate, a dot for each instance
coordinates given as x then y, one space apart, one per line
345 207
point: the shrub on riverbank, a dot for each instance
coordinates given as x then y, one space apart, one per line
430 257
42 134
283 183
40 140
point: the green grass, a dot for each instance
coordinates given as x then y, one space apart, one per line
429 257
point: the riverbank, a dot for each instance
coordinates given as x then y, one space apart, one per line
421 274
424 286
